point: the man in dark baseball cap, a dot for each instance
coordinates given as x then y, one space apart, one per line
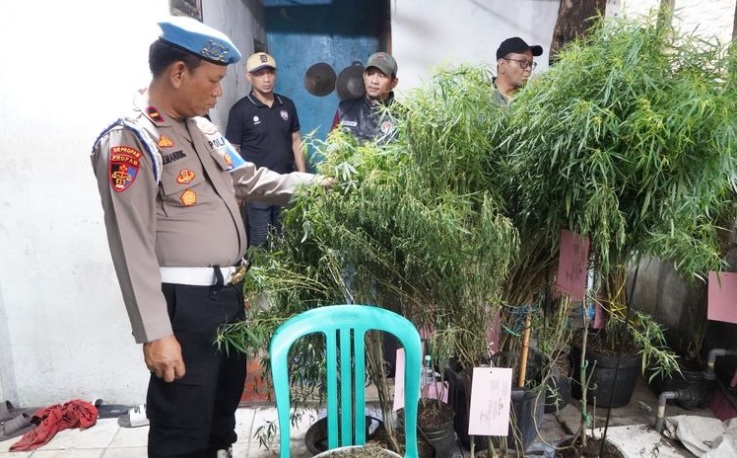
515 63
365 117
384 62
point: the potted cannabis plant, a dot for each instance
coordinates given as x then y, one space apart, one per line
628 140
413 225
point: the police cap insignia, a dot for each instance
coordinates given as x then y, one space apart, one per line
199 39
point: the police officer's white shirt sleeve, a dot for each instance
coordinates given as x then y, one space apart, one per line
130 220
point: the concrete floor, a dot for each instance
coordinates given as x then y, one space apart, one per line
630 429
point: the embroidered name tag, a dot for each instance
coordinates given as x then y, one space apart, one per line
175 156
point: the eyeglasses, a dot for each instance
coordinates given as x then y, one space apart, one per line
523 64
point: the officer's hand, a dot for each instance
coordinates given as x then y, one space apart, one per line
164 358
328 182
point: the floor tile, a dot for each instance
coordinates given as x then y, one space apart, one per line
254 451
70 453
244 423
305 418
126 452
263 420
5 446
98 436
130 437
6 454
240 450
299 449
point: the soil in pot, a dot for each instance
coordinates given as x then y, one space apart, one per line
569 449
435 425
506 453
361 451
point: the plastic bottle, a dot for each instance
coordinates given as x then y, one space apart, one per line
428 374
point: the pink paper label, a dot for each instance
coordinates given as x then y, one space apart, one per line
722 297
572 265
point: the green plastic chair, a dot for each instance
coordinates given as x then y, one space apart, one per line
344 327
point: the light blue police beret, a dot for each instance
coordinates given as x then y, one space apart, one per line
196 38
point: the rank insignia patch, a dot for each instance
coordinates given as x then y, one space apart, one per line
188 198
185 176
124 164
154 114
165 142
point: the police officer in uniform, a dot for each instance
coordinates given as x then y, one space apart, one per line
366 117
168 181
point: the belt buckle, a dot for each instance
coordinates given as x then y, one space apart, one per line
240 272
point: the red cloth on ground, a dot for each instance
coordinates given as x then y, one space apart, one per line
51 420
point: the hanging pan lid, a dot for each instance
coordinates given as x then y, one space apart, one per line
350 82
320 79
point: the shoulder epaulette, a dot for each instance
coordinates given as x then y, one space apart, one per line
148 145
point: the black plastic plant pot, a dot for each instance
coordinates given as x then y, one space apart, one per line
608 386
691 378
526 416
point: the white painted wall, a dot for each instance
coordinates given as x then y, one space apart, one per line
710 19
70 69
63 329
427 34
241 21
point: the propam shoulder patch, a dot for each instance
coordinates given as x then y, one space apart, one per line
125 162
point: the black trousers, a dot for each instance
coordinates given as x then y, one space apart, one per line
195 416
260 219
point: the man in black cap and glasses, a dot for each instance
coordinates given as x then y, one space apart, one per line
514 60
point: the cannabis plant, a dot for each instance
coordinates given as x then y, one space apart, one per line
415 225
627 140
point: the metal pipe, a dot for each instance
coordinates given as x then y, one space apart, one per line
713 354
683 394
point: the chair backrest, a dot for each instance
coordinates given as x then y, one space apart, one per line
344 327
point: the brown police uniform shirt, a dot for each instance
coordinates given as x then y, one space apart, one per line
169 198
